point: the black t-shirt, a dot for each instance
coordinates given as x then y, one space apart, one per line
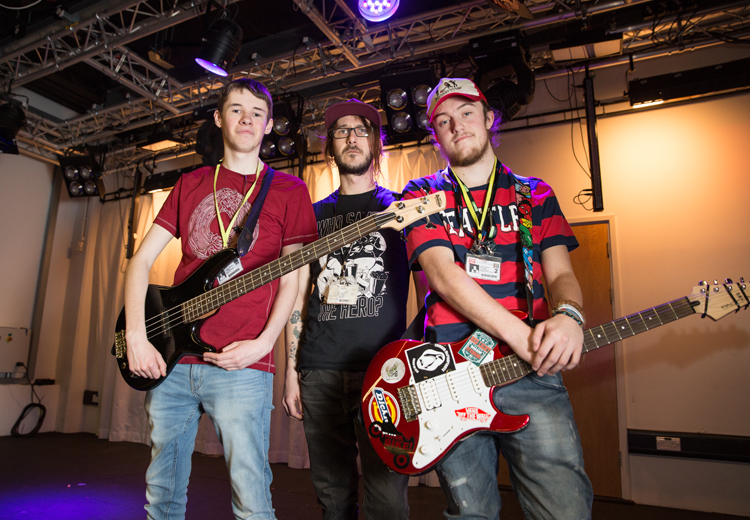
346 337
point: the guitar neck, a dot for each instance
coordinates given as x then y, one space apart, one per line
510 368
233 289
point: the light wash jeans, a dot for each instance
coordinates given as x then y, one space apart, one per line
331 400
545 459
239 403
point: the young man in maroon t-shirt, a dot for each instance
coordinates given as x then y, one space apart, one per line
206 209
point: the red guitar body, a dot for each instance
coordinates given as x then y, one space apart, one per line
420 399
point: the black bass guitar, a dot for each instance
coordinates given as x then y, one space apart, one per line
174 314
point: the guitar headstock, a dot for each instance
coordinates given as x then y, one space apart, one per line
719 299
409 211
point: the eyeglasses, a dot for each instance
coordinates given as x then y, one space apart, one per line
343 133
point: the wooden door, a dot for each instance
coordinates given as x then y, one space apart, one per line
592 385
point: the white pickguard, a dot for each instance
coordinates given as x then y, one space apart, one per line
451 404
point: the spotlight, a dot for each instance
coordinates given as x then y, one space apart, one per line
401 122
281 125
377 10
12 119
404 99
286 146
220 46
268 149
82 175
396 99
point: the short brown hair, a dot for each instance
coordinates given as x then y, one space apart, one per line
255 87
375 139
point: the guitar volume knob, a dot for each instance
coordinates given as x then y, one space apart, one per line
425 450
429 425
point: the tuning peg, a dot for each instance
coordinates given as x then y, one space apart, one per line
742 279
716 282
727 280
703 282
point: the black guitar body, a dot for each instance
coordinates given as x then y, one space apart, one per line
175 339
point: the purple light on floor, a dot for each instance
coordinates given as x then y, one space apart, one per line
211 67
377 10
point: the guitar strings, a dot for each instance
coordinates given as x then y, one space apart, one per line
166 320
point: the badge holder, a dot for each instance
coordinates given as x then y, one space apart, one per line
343 290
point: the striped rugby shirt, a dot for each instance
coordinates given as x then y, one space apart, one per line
549 228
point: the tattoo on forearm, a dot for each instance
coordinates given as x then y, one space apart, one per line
295 318
293 351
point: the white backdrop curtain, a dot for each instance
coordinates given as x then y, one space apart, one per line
122 415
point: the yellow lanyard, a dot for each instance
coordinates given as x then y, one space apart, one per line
471 205
226 232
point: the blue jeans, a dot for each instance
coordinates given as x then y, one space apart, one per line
330 401
239 405
545 459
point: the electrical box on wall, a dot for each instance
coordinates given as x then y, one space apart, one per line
14 348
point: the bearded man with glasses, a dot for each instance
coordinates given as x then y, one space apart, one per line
350 304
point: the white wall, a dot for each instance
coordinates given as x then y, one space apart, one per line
25 189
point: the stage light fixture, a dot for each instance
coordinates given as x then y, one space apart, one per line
285 140
587 45
161 139
499 58
220 46
404 100
12 119
82 176
377 10
687 84
164 181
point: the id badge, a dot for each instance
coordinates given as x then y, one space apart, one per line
230 271
344 290
483 267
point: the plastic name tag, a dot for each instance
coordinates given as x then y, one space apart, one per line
230 271
343 290
483 267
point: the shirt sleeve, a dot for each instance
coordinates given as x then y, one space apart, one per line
300 225
555 229
169 215
427 232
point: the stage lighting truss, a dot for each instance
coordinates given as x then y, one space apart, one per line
404 100
285 140
82 175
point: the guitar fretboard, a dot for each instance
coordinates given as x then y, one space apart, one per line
233 289
511 368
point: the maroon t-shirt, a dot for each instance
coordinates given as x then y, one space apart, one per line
189 213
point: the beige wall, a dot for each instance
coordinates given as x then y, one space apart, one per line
675 181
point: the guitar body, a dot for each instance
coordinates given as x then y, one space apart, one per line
420 399
163 304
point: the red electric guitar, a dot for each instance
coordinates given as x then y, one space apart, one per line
420 399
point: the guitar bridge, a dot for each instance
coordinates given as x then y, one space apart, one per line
121 347
410 407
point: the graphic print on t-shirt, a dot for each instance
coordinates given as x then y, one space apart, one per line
203 241
363 261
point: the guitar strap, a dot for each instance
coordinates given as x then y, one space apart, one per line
523 201
246 237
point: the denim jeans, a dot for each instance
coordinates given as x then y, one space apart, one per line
545 459
330 401
239 405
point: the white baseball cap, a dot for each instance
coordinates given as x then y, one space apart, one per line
449 87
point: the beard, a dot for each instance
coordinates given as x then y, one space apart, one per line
354 166
465 158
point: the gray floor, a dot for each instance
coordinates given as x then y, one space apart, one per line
80 477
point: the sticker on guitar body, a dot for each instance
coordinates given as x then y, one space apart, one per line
383 408
430 360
